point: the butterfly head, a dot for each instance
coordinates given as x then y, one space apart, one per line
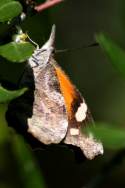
42 55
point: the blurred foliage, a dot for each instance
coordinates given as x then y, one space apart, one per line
113 51
111 137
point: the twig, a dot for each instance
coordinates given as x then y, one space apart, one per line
46 5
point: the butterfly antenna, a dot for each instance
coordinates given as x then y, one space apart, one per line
77 48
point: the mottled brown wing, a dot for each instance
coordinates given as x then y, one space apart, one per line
49 121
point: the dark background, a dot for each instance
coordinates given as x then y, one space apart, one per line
102 86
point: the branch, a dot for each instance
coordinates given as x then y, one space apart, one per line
47 4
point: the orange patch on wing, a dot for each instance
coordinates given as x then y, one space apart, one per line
67 89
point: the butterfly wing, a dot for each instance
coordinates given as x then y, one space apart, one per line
77 109
59 111
49 121
78 117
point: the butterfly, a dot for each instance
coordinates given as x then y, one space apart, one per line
60 113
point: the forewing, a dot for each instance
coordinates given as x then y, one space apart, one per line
79 116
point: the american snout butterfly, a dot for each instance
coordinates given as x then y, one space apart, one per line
59 110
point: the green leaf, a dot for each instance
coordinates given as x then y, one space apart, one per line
7 95
4 2
9 9
17 52
113 51
27 167
111 137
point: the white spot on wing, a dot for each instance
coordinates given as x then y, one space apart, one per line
81 112
74 131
